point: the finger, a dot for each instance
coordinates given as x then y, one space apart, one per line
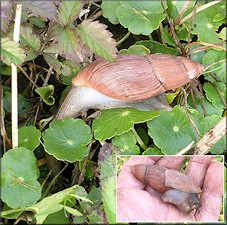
126 177
211 197
171 162
197 168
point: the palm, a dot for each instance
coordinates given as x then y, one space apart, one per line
137 202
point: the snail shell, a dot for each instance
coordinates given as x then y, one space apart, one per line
130 81
178 188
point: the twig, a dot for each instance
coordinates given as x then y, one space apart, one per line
23 71
45 193
205 47
182 11
201 8
14 85
210 138
173 32
47 76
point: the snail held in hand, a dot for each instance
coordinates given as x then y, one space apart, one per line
130 81
177 188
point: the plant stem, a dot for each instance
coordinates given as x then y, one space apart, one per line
45 193
139 140
14 85
150 37
123 39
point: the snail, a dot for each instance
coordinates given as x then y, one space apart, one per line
130 81
176 187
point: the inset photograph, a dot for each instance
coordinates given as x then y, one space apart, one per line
170 188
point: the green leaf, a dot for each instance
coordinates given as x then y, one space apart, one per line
29 137
58 217
171 131
208 108
213 95
166 37
222 34
174 7
68 10
127 143
205 19
20 187
109 199
107 165
72 211
37 22
52 61
95 196
156 47
68 42
44 9
98 38
136 49
46 93
109 10
114 122
11 52
52 204
152 151
219 69
132 14
107 161
30 42
29 39
67 139
24 107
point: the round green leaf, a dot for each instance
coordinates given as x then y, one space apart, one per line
140 17
20 187
29 137
114 122
171 131
136 49
156 47
67 139
127 143
109 10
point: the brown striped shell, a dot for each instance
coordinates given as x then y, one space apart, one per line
162 179
133 77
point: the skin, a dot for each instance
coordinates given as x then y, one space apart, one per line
137 202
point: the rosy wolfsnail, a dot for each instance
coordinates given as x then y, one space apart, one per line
177 188
130 81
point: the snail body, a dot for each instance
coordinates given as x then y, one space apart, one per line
130 81
176 187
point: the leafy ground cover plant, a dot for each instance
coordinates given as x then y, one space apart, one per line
60 170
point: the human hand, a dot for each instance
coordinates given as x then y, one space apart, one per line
137 202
